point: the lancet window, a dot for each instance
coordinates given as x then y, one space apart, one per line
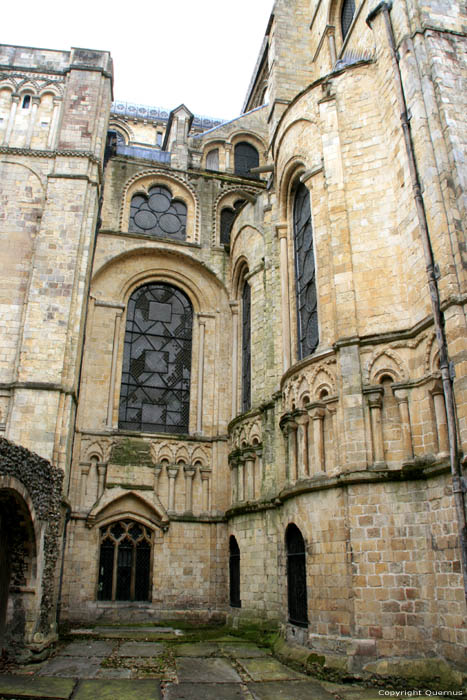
305 277
246 347
347 14
155 390
296 576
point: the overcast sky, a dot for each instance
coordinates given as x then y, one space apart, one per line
165 52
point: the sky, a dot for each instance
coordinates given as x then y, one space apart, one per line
165 52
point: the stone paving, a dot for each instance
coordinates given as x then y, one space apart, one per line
120 669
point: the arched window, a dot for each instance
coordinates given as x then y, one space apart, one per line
155 391
246 157
347 13
212 160
227 219
158 214
246 347
305 279
234 573
26 102
125 561
296 576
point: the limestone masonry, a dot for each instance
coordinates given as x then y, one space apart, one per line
233 355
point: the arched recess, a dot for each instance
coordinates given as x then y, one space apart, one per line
296 576
234 573
233 200
242 353
180 191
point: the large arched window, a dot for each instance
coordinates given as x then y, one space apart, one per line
246 157
234 573
296 576
125 561
305 279
347 13
155 391
158 214
246 347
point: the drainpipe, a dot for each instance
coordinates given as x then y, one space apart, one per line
458 483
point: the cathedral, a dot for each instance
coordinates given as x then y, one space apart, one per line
233 354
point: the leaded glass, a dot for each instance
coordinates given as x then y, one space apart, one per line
296 577
246 347
305 279
158 214
347 13
246 157
155 391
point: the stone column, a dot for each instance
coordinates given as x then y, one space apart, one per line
441 419
259 471
401 396
54 122
289 429
205 481
11 119
157 473
233 479
190 471
241 479
301 420
375 402
35 101
285 303
229 165
101 472
84 478
113 370
172 472
234 309
249 457
332 409
317 414
332 44
199 416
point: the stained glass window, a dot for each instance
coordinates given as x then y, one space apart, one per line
347 13
296 576
158 214
246 347
246 157
155 391
305 278
125 560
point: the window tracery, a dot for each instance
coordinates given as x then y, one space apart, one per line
347 15
246 347
246 158
305 274
158 214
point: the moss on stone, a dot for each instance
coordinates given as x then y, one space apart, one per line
131 451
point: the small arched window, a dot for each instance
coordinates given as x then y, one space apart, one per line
347 14
246 157
246 347
212 160
227 219
296 576
305 278
155 390
234 573
158 214
125 561
26 102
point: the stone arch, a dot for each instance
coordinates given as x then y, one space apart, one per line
182 456
303 392
227 198
179 189
199 455
431 360
385 362
322 378
123 128
287 182
119 503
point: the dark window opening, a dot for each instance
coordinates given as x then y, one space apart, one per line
347 14
296 577
155 390
26 102
125 561
227 219
246 347
305 277
234 573
246 157
158 214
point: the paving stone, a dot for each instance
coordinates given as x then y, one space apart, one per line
269 670
245 651
206 691
201 649
71 667
90 648
141 649
291 690
118 690
198 670
114 673
19 686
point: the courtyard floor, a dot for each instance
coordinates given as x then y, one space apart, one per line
152 663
